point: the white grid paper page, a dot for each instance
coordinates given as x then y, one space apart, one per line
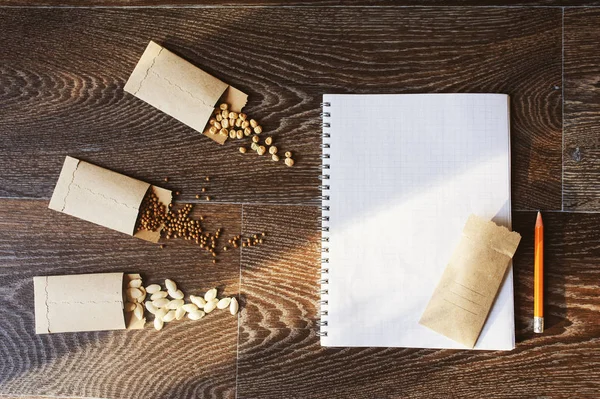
406 171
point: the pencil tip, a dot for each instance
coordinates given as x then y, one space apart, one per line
538 221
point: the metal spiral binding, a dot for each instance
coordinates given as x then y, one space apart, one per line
324 280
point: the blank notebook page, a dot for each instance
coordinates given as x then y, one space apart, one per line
405 172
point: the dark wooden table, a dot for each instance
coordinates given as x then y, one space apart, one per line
62 72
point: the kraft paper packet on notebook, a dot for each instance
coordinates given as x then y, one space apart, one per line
104 197
83 302
181 90
464 296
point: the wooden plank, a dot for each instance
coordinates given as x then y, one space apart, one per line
307 3
185 359
581 157
62 88
280 355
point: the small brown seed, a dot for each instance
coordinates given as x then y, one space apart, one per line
162 246
207 178
217 125
214 261
261 150
224 114
233 115
166 179
245 124
275 157
269 140
212 121
242 116
239 134
288 154
273 150
224 132
213 130
258 130
225 123
238 123
219 118
289 162
224 248
243 150
232 134
203 190
255 139
247 131
254 146
208 198
253 123
177 193
223 106
231 122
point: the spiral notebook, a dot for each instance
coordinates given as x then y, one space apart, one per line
401 175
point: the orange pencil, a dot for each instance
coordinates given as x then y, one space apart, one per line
538 277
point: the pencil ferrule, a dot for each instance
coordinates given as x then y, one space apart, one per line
538 324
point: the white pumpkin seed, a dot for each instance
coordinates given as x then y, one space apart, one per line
160 313
170 284
211 305
135 283
153 288
196 315
139 311
159 303
198 301
129 306
210 294
176 294
159 295
151 308
223 303
169 316
179 313
133 293
134 276
174 304
143 297
158 323
189 307
233 306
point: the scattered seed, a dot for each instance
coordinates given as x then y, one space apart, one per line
232 134
219 118
207 198
254 146
255 139
253 123
269 140
198 301
233 306
275 157
175 303
207 178
166 179
213 130
159 303
203 190
223 303
160 313
273 150
210 294
170 284
158 323
211 305
159 295
224 114
196 315
223 106
239 134
258 130
261 150
288 154
217 125
179 313
169 317
243 150
151 308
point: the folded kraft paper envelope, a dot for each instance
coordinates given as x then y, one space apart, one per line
466 292
83 302
181 90
104 197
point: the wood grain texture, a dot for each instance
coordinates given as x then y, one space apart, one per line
581 156
280 355
61 88
185 359
306 3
